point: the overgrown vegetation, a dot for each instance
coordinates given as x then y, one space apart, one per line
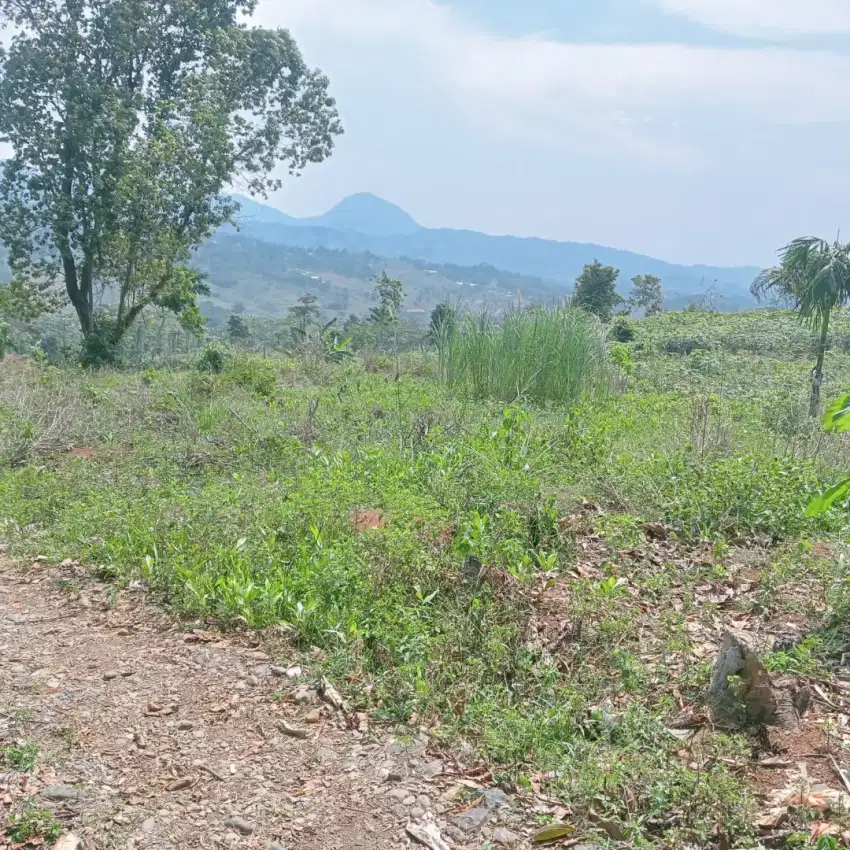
554 525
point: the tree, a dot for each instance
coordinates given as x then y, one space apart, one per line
237 329
647 294
304 314
127 120
442 324
596 290
815 276
390 295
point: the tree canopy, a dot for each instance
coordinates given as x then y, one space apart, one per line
596 290
128 120
815 276
647 294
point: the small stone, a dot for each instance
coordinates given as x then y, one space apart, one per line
505 837
252 680
241 685
495 797
127 673
314 716
125 632
400 811
471 820
423 800
18 669
139 740
304 694
109 675
262 670
453 832
384 773
397 793
148 826
393 776
275 670
276 845
242 826
409 801
258 655
61 793
185 725
52 686
416 812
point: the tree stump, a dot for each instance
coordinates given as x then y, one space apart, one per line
742 693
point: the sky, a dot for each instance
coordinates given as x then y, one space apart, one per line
697 131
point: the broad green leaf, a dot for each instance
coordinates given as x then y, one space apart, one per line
553 833
836 418
828 498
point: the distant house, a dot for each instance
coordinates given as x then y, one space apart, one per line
416 310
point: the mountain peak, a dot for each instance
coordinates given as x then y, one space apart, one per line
369 214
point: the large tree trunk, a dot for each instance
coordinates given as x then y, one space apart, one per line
817 372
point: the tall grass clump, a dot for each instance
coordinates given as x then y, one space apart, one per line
545 354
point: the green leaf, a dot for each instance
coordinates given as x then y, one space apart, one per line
553 833
827 499
836 418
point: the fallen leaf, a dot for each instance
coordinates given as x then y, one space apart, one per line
292 731
774 761
682 734
771 818
428 835
823 829
180 784
553 832
68 841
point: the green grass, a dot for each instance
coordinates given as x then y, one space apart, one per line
32 822
22 758
236 494
542 354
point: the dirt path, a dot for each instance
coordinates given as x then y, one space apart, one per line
169 743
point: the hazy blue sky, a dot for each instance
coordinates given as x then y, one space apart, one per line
694 130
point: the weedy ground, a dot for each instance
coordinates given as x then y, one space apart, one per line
542 585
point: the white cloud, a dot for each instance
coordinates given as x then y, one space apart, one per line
614 93
770 18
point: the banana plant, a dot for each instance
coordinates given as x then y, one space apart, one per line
836 420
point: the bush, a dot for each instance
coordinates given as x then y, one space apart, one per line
623 330
213 358
255 374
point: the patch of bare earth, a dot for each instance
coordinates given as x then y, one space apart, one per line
150 738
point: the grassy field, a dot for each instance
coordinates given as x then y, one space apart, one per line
541 585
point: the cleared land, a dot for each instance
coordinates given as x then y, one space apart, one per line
541 588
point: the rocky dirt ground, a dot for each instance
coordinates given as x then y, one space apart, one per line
152 737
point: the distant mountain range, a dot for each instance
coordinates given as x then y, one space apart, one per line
263 264
364 223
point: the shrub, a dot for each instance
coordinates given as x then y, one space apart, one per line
213 358
623 330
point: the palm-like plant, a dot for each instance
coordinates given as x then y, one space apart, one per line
815 275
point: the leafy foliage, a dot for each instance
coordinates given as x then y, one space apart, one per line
815 276
127 123
596 290
647 294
